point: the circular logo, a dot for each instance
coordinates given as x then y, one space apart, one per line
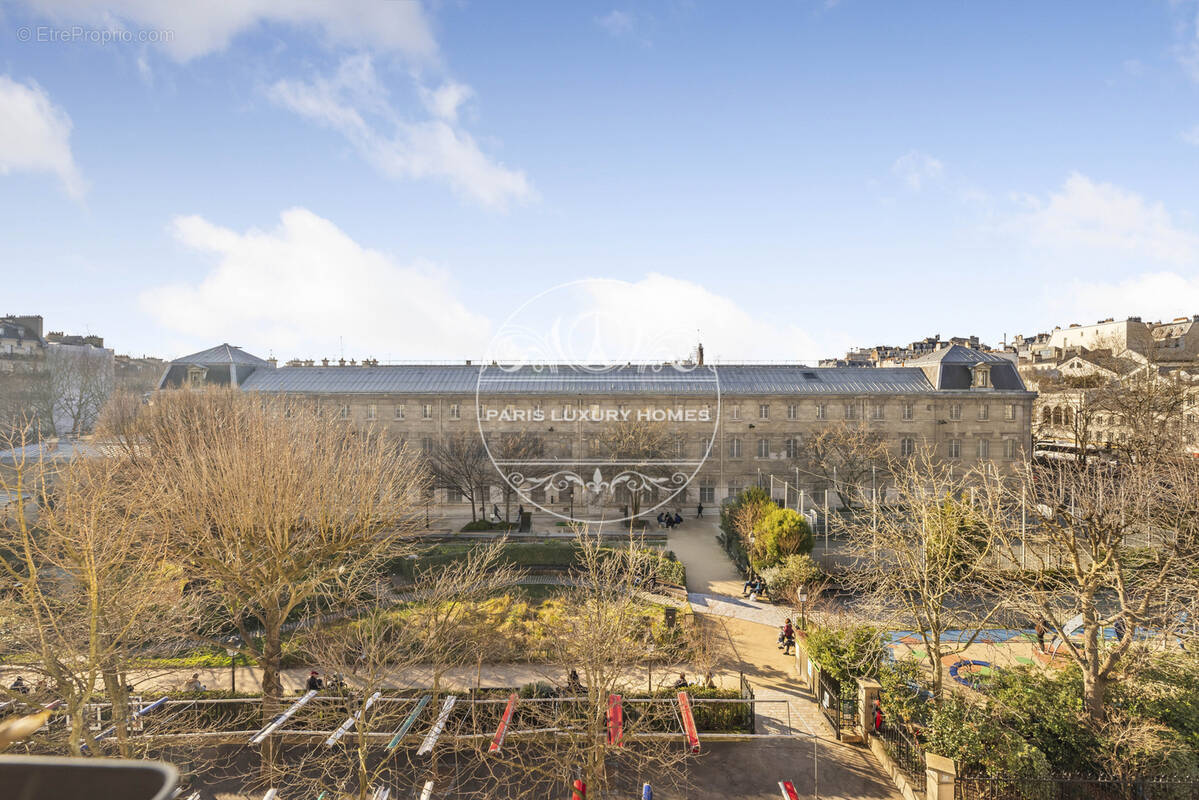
594 411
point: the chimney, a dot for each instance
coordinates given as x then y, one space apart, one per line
699 354
324 362
274 362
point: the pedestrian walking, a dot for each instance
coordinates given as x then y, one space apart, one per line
699 511
787 637
878 716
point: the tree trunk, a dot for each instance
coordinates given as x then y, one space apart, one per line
1094 693
272 660
120 710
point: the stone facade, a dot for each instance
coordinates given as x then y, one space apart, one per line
963 406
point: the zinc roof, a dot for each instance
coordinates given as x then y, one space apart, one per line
567 379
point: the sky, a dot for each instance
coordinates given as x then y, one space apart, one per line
395 180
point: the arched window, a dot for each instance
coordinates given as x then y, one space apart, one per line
1047 415
1068 416
1057 415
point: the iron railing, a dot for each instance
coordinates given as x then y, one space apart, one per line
1071 787
905 750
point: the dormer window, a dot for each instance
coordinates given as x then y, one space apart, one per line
982 376
195 376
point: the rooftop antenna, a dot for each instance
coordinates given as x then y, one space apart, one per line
341 346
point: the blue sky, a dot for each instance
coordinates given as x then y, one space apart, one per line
386 179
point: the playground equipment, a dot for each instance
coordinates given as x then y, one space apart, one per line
502 730
349 723
689 729
274 724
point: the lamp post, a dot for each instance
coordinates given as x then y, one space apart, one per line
232 670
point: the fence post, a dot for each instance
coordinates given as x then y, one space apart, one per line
868 692
939 776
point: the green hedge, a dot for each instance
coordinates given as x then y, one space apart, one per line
560 555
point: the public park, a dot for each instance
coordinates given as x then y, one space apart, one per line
252 592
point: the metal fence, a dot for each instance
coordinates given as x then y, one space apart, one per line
905 750
1069 787
747 693
841 712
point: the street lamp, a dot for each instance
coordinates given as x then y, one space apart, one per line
232 651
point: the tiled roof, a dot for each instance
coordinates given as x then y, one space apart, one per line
464 379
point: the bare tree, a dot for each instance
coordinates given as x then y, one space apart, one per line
603 639
521 446
921 564
847 454
92 581
1110 546
459 462
638 446
81 379
274 509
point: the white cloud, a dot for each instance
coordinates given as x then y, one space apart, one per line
1134 67
656 318
1191 135
916 169
444 101
354 103
196 29
298 288
1153 296
616 22
1090 218
36 135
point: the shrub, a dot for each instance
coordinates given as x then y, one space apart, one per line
488 525
904 697
847 653
782 532
794 571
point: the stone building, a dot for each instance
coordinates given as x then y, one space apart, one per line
734 425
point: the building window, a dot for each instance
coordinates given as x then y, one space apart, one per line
763 448
851 410
764 411
426 446
955 411
735 447
955 448
984 411
821 411
399 412
792 447
792 411
984 448
1009 448
567 448
1009 413
426 411
907 410
876 411
734 412
681 449
1047 416
734 490
345 412
372 411
455 413
907 447
707 494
